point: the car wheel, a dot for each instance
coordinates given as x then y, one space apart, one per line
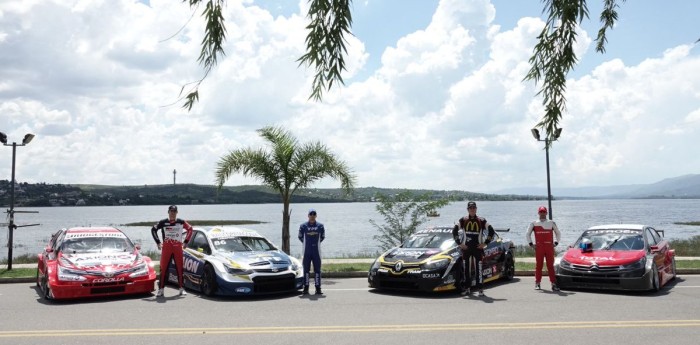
654 278
46 289
509 268
208 284
673 268
38 280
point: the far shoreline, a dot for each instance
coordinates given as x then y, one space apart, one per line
204 222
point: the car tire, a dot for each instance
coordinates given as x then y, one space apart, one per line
509 268
655 285
208 283
46 289
673 268
38 280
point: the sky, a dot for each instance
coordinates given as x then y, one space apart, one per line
434 96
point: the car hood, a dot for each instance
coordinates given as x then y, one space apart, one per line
410 254
100 260
255 258
603 257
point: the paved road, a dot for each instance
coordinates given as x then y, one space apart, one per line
349 313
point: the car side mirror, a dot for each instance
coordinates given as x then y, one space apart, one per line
48 250
137 246
654 249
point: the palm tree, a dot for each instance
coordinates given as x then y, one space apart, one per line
286 168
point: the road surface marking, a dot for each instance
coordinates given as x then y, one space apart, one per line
353 329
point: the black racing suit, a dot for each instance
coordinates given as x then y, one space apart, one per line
472 234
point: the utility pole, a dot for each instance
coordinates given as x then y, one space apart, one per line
174 172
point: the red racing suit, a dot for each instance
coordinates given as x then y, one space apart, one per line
545 233
172 246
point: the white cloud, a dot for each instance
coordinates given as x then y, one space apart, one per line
447 109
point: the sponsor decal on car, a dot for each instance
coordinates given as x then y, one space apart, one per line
94 234
491 251
225 235
191 265
409 253
595 259
435 230
108 280
613 231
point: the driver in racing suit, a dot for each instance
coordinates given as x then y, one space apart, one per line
547 237
469 235
173 243
311 234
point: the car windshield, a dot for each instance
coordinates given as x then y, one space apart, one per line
242 244
613 240
430 240
97 245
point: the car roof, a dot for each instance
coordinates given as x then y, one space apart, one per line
618 227
229 231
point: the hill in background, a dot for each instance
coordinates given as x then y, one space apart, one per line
681 187
42 194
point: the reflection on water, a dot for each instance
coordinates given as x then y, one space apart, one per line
348 231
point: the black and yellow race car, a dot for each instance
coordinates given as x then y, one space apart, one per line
429 260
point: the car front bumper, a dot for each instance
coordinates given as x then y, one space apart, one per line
606 281
68 290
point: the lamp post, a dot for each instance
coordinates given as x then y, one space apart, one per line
536 134
11 226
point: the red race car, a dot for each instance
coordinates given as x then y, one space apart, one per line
619 257
96 261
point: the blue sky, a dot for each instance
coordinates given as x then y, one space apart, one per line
433 97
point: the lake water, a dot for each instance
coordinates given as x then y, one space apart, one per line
348 231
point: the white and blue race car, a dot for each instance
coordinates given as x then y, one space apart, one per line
233 261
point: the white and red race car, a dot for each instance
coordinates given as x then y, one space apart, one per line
93 261
617 257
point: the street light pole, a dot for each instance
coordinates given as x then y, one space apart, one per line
547 141
11 226
549 186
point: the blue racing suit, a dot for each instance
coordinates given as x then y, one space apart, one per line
311 235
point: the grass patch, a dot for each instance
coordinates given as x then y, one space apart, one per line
361 255
203 222
687 223
18 273
356 267
524 251
22 259
688 247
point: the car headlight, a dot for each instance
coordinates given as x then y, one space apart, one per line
564 264
436 264
139 271
238 271
70 275
296 265
635 265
